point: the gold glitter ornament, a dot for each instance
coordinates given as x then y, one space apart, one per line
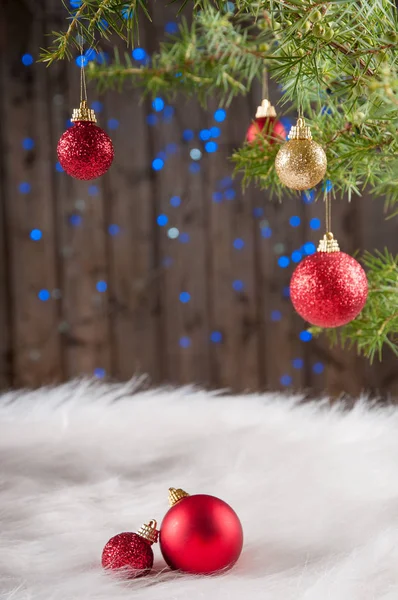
301 163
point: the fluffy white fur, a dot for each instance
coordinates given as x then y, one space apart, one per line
316 490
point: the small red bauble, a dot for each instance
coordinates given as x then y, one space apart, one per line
131 552
266 125
85 151
329 289
200 534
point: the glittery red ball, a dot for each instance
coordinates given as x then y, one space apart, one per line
201 534
85 151
130 552
266 127
329 289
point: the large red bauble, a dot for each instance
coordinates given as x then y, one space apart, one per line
129 552
201 534
85 151
329 289
267 127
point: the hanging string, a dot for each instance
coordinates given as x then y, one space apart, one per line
328 212
265 90
83 87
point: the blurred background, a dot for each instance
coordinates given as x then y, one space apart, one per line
163 266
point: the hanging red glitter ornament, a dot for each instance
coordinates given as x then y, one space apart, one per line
200 534
85 151
266 125
329 288
131 552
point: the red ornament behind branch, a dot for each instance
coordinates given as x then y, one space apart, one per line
200 533
329 288
85 151
266 125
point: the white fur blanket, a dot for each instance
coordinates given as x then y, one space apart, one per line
316 490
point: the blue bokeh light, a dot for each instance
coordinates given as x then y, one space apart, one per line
258 212
76 3
276 315
211 147
185 297
127 12
27 60
309 248
90 54
305 336
97 106
162 220
171 27
152 120
175 201
81 61
296 256
158 104
318 368
229 194
184 238
285 380
286 291
266 232
99 372
308 196
28 143
44 295
220 115
216 337
58 167
217 197
215 132
139 54
297 363
315 223
327 186
75 220
283 261
113 123
101 286
35 235
188 135
194 167
238 244
185 341
93 190
157 164
171 148
204 135
113 229
295 221
238 285
24 187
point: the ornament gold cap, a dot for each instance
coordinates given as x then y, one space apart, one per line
149 532
328 244
175 495
83 113
265 110
300 131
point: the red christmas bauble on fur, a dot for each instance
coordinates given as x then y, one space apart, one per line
329 289
267 127
129 552
85 151
201 534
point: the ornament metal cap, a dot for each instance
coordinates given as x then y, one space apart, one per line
149 532
83 113
175 495
300 131
328 244
265 110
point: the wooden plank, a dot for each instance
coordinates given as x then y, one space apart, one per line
81 224
134 274
36 350
232 276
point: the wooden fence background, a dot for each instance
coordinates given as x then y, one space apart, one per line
139 324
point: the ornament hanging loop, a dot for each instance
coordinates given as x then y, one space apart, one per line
328 244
